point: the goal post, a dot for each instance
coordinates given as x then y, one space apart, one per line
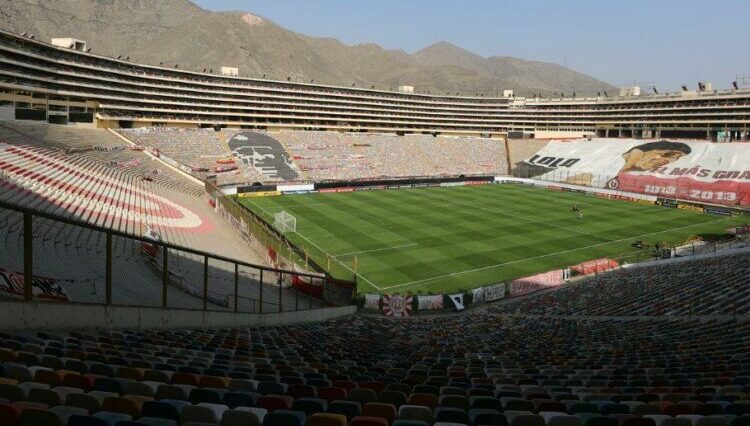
284 222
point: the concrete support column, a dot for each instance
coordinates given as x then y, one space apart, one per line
657 134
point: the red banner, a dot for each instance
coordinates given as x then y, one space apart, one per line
537 282
597 265
726 192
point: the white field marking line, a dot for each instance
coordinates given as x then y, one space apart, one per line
293 206
635 206
378 225
376 250
324 251
329 235
474 206
438 277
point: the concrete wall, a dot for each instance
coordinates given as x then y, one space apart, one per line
7 113
59 316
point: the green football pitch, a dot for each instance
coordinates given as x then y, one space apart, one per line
439 240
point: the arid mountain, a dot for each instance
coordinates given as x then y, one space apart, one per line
179 32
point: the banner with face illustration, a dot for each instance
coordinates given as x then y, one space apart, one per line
264 154
695 171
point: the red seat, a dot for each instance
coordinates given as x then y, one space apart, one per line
380 410
300 391
376 386
213 382
9 415
85 382
185 379
275 402
330 394
344 384
22 405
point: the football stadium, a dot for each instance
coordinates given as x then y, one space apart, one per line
187 247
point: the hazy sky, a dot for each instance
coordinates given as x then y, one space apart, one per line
667 42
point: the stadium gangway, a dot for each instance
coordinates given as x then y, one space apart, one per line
263 296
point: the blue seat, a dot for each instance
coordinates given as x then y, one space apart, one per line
108 385
285 418
204 395
347 408
112 418
271 388
164 409
239 399
80 420
148 421
451 415
310 406
34 417
487 417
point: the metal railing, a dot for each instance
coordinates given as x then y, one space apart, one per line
266 289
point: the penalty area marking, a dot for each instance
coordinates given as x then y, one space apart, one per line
322 250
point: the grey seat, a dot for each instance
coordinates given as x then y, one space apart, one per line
171 392
137 388
197 413
527 420
155 421
45 396
63 412
672 421
239 418
84 401
712 421
415 412
34 417
564 420
363 396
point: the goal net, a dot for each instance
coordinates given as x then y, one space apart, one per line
284 222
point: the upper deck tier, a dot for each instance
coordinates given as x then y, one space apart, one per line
115 93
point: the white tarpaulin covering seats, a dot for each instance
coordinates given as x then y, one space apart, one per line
694 171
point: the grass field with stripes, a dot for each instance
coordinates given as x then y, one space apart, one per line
445 239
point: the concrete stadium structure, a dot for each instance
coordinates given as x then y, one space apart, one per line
63 85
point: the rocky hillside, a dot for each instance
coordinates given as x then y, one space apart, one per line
179 32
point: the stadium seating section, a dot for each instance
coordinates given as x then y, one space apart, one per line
713 286
102 171
482 369
320 156
554 358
